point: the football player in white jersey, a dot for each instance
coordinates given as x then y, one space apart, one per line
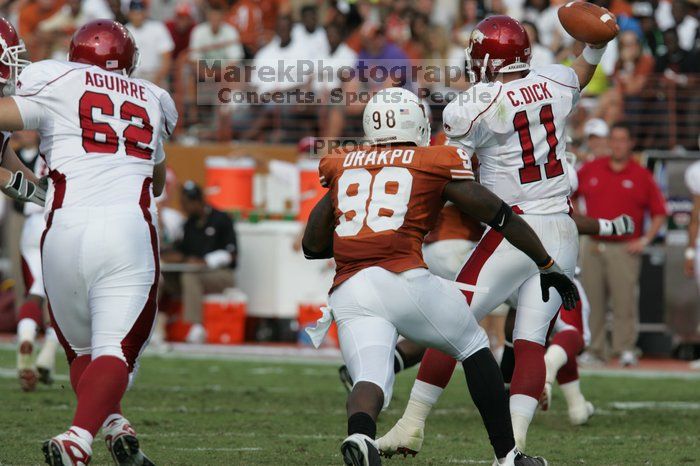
30 317
102 135
514 119
18 182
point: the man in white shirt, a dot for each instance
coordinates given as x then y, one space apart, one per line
154 43
215 39
309 35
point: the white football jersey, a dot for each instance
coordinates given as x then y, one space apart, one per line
518 132
101 132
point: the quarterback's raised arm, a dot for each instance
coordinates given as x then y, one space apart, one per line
483 205
10 116
318 235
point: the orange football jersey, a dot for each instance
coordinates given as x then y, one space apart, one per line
454 224
386 199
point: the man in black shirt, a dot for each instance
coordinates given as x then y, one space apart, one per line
208 240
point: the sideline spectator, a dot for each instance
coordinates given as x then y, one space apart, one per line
180 27
612 186
209 241
247 17
541 55
686 24
596 142
215 39
31 15
308 35
154 43
653 40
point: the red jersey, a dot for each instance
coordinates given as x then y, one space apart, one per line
385 200
607 193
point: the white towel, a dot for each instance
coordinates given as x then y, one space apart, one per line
318 333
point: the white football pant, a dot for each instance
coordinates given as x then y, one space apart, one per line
101 276
373 306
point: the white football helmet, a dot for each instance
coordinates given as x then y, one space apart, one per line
396 115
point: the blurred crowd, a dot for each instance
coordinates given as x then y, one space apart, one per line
648 77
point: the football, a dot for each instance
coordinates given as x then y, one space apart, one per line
587 22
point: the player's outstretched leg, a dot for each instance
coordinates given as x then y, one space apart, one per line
46 359
406 355
406 437
29 320
99 385
122 442
364 404
561 361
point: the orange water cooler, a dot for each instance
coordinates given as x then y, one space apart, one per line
223 316
310 189
229 182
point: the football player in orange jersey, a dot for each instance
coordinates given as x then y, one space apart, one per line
381 203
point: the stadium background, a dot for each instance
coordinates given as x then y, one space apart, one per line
236 401
253 160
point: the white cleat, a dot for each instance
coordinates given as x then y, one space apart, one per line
123 445
405 438
67 449
360 450
580 412
546 397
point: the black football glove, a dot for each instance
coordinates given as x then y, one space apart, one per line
552 276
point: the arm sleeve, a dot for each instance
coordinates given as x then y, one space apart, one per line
462 126
455 163
170 117
565 77
325 170
228 242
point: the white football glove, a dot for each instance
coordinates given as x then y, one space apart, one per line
621 225
20 188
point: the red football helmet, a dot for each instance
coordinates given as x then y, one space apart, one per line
104 43
11 47
498 44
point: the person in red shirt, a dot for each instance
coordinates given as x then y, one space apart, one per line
612 186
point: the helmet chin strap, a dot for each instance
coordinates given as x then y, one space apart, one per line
484 76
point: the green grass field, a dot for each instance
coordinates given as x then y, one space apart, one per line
229 412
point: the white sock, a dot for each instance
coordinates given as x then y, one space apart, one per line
423 397
554 359
572 392
51 335
47 356
425 392
111 418
26 330
82 433
522 410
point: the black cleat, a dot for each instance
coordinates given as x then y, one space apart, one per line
345 378
45 375
521 459
126 452
359 450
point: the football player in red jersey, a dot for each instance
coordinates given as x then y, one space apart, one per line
381 203
516 127
101 133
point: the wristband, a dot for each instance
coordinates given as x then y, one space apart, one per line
689 254
605 227
593 56
545 264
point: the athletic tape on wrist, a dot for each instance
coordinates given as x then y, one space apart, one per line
593 56
605 227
